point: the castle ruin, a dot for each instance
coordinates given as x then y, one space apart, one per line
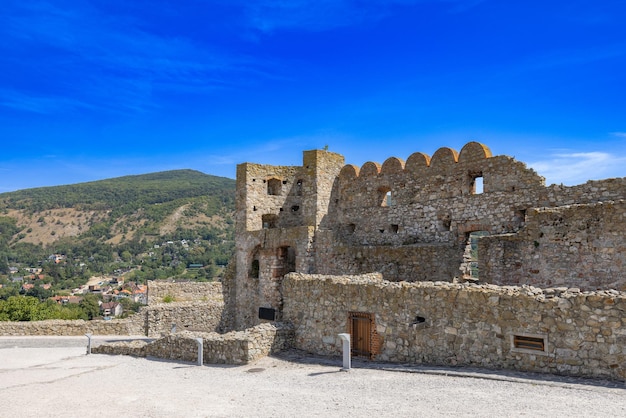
462 258
426 219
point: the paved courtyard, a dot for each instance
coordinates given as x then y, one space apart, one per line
53 377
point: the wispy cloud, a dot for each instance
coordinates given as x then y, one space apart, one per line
120 63
619 134
578 167
115 62
39 104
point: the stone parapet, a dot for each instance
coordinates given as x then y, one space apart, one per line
184 291
55 327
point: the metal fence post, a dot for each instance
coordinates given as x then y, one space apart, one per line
88 343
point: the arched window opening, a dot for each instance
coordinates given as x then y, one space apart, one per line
274 187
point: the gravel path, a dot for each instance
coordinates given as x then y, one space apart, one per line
60 380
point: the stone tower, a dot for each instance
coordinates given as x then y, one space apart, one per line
278 212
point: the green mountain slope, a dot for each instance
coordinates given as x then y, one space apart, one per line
106 225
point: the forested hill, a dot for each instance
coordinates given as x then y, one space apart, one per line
124 193
99 223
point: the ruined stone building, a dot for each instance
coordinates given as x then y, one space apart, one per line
414 221
459 258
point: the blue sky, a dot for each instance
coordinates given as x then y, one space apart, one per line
94 89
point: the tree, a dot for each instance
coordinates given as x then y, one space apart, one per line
90 306
126 256
22 308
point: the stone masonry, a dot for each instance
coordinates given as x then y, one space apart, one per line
462 258
581 333
418 221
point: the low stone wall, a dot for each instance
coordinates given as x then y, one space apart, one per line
439 323
129 326
153 321
237 347
184 291
192 316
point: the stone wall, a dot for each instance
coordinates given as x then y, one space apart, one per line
415 262
129 326
440 323
418 220
184 291
575 245
199 307
193 316
237 347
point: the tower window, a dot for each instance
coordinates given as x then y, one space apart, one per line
274 187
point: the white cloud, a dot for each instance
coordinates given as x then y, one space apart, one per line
578 167
619 134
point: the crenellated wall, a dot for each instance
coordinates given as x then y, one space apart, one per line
412 220
453 217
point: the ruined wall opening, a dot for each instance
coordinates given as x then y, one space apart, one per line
298 188
285 261
385 197
274 187
269 221
254 269
469 266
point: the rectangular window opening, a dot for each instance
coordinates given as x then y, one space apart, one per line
478 185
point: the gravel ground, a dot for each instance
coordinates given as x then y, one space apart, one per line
50 377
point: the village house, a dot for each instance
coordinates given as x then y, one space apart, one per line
111 309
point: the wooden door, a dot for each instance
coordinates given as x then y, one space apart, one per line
361 333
